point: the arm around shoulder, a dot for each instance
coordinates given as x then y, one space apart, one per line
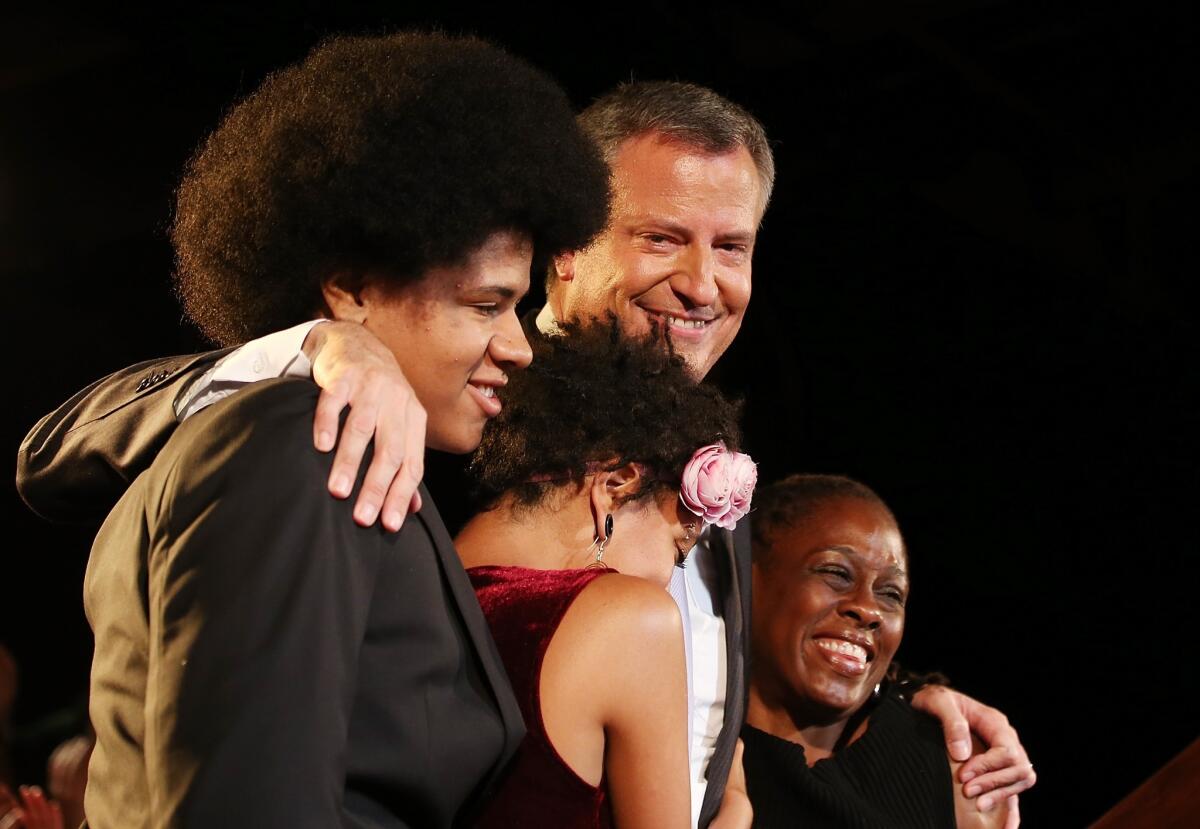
78 460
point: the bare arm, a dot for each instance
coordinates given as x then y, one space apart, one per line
614 699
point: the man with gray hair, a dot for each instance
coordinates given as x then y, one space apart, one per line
692 174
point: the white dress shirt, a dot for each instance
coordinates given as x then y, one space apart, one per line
707 661
276 355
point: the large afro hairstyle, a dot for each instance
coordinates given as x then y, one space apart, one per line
594 399
389 154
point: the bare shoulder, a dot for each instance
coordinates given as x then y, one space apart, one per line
615 660
623 606
619 642
618 625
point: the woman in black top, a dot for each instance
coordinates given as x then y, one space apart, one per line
829 742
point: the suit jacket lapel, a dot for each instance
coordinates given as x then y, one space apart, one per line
734 553
477 630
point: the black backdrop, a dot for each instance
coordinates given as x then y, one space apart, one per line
971 291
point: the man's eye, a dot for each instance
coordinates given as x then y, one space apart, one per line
488 309
893 595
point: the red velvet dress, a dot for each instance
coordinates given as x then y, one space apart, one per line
523 608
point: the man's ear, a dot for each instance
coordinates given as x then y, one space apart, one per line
341 302
561 272
611 490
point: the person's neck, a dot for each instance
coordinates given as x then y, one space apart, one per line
820 737
539 538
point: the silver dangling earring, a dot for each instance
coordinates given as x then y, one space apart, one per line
877 691
600 543
681 556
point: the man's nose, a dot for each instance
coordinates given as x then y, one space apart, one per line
696 280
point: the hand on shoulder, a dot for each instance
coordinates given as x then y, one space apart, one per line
353 368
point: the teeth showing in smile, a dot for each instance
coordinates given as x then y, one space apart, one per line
844 648
487 391
679 322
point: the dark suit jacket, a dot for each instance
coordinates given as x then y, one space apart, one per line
77 460
263 661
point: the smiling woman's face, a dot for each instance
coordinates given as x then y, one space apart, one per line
829 609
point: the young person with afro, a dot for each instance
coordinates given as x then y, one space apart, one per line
260 659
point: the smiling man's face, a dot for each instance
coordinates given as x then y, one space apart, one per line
677 248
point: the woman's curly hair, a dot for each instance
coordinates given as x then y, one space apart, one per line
593 396
392 154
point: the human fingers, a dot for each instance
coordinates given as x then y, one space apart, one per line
403 496
1024 779
943 704
996 768
1013 819
329 410
49 816
1004 748
354 369
357 432
39 813
994 729
12 819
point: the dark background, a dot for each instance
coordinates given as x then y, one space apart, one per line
971 291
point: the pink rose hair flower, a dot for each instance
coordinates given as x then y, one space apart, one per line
718 484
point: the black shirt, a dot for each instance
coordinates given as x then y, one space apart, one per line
895 775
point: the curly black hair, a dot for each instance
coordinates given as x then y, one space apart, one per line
390 154
593 396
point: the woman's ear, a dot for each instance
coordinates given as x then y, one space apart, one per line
611 490
341 302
